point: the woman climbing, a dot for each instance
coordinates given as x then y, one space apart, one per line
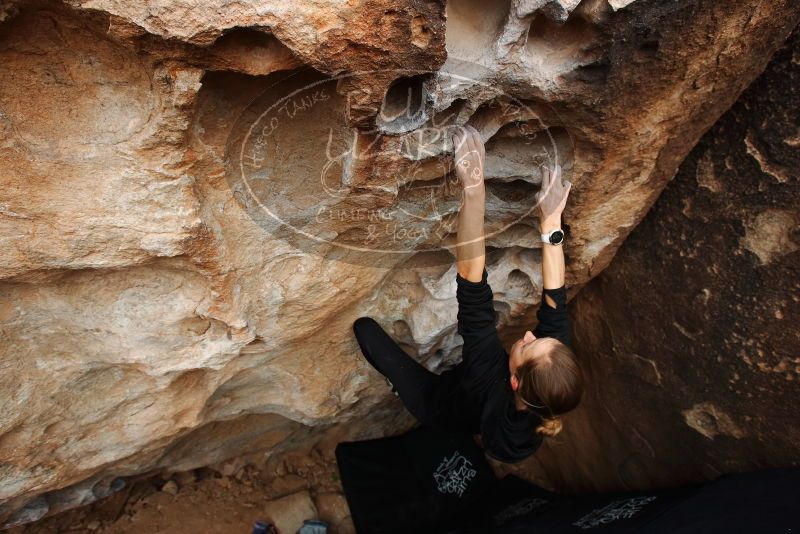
511 399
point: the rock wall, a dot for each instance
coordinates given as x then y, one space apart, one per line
691 335
197 199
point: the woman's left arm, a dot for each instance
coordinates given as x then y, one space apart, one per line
469 160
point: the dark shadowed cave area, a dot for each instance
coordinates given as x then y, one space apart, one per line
691 335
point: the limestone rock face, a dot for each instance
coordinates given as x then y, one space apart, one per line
198 198
691 335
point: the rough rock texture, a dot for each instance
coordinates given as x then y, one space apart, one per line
152 317
692 334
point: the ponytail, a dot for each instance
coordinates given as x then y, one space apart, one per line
550 426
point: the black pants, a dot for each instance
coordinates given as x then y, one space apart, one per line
415 385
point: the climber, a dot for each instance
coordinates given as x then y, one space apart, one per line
511 399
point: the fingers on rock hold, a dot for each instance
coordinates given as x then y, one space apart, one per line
458 138
545 175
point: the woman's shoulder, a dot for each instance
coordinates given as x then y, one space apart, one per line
484 364
509 434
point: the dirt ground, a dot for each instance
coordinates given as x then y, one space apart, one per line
210 501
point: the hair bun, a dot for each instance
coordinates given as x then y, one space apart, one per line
550 427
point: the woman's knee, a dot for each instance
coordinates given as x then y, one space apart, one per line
364 325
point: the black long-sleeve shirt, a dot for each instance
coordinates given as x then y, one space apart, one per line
477 393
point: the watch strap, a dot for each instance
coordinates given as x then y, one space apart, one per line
546 237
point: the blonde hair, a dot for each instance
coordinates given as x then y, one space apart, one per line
551 386
550 426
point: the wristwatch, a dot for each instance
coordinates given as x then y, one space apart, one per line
555 237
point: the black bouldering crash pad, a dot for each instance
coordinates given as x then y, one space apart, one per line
434 481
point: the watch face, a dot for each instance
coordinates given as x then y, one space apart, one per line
556 237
